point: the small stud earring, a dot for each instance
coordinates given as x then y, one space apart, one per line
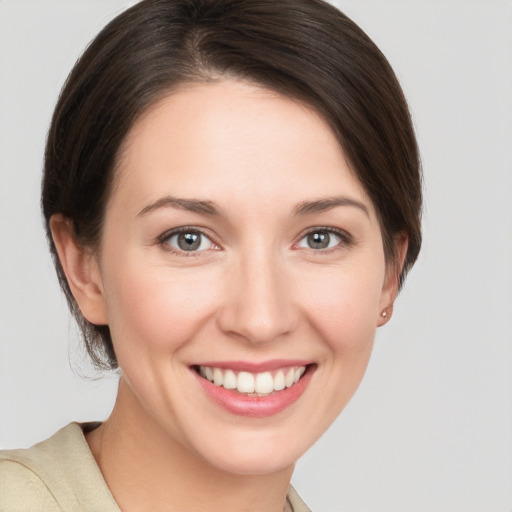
384 314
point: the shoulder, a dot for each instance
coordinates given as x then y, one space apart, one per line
21 488
59 474
296 501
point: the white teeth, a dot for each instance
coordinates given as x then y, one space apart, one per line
298 374
218 377
264 383
279 383
230 379
288 380
245 382
259 384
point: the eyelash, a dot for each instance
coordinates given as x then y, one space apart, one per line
164 239
346 240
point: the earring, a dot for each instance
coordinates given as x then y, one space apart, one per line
384 314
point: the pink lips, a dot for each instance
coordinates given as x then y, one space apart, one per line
254 406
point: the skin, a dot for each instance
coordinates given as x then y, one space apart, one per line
256 291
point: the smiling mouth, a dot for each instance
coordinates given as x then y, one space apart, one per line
253 384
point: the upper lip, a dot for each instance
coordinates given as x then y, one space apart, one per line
263 366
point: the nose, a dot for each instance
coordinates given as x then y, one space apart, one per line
258 304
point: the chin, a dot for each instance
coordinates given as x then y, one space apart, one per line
257 452
256 463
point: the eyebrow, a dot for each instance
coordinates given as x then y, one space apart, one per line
328 203
191 205
209 208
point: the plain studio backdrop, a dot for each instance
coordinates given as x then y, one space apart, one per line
430 428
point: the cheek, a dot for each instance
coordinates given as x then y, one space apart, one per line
343 306
156 310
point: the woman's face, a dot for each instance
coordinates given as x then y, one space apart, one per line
239 247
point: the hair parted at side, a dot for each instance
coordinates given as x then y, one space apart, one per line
304 49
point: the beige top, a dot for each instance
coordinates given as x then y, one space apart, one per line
60 474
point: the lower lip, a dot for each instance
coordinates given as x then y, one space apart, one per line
256 406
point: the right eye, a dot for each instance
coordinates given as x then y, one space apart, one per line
187 241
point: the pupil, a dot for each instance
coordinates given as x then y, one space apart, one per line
318 240
189 241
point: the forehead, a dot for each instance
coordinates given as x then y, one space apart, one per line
232 139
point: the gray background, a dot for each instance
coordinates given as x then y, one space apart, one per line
430 428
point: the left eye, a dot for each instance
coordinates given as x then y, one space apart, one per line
320 239
189 241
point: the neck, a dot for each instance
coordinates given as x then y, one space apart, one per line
145 468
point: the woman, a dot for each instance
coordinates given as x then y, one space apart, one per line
232 199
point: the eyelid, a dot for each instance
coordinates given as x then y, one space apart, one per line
167 235
347 239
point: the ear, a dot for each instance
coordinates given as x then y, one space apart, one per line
81 269
392 280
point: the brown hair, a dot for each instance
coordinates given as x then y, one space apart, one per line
305 49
